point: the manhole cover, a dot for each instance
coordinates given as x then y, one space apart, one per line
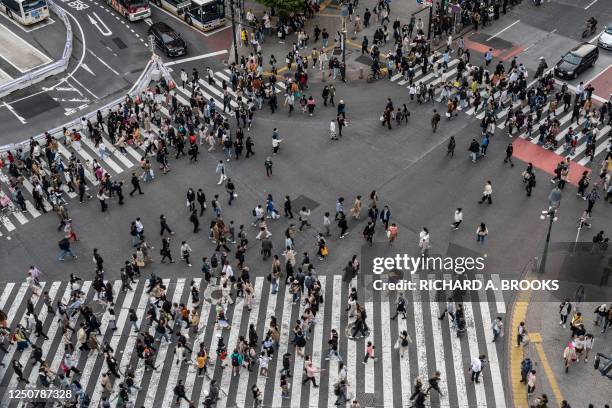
303 201
364 59
216 294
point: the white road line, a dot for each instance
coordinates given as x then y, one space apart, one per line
231 343
87 371
6 292
499 32
462 399
217 92
494 368
14 112
481 399
25 356
175 369
419 333
243 381
283 347
590 4
112 164
369 374
162 350
499 296
7 224
317 340
32 210
131 343
351 353
387 344
298 368
195 58
192 371
51 334
436 329
104 62
404 366
90 177
335 324
59 354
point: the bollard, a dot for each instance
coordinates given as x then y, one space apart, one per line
323 77
361 73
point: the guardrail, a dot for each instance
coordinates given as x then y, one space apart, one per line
155 65
54 68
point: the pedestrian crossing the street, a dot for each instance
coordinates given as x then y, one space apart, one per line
604 141
387 381
119 165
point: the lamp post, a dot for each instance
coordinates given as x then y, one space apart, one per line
344 13
429 25
554 200
231 3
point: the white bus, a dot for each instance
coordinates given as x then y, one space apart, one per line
205 15
27 12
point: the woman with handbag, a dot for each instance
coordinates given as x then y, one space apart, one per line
569 355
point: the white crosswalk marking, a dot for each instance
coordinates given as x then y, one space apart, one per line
496 378
164 346
10 318
394 379
369 376
111 163
243 382
438 351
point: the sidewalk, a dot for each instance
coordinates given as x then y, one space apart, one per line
583 384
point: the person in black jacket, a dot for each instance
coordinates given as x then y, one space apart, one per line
136 184
179 391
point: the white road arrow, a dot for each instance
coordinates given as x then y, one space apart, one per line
99 24
148 21
86 68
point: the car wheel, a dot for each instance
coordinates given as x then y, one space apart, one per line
188 20
9 14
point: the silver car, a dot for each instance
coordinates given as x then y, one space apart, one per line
605 39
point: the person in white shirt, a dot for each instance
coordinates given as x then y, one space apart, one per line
476 367
424 241
185 252
458 218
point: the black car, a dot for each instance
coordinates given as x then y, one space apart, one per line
576 61
168 40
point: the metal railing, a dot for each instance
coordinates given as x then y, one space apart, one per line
154 64
54 68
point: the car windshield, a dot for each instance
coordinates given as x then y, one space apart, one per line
571 59
166 38
33 5
609 29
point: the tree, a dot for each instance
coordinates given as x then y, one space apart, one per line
284 5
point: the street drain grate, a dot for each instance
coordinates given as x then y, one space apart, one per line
303 201
119 43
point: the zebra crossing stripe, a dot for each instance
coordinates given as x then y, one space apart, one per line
212 357
20 217
114 343
601 137
153 386
120 156
87 371
283 347
599 149
64 152
231 343
335 324
462 399
175 369
419 332
496 379
6 292
298 367
51 334
116 168
131 343
499 297
243 382
192 369
351 350
317 340
404 364
387 344
439 354
481 398
59 355
25 356
26 183
7 223
32 210
369 375
216 92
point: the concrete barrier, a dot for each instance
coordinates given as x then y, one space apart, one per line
54 68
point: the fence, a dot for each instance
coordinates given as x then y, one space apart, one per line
54 68
153 69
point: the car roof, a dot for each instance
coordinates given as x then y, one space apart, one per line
161 26
583 49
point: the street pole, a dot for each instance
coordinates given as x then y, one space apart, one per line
231 2
551 213
430 21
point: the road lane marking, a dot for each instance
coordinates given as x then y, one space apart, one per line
99 24
499 32
590 4
14 112
104 63
197 57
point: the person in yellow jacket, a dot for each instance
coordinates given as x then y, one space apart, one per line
201 362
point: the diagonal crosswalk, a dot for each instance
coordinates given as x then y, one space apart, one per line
385 382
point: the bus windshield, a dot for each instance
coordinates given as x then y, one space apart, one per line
30 5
